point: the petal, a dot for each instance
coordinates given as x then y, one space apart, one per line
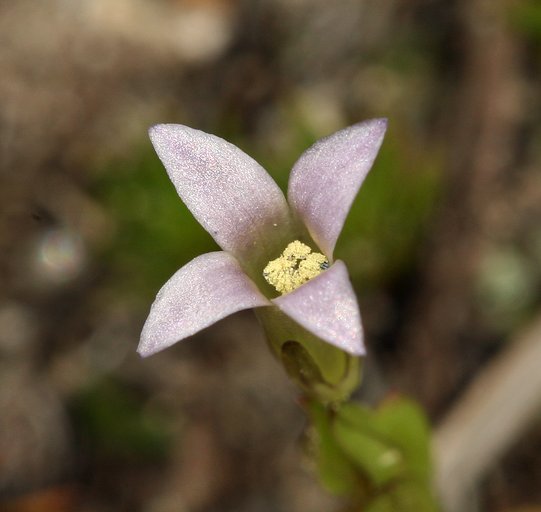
327 177
207 289
327 307
227 191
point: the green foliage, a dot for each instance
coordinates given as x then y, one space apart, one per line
403 497
379 459
525 16
112 420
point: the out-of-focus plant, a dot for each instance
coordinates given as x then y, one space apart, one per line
525 16
114 425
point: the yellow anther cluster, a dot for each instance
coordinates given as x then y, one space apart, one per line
294 267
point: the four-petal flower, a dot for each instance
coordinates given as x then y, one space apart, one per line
246 213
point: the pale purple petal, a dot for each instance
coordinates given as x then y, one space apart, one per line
209 288
327 177
227 191
327 307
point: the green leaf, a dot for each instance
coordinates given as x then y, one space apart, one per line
388 444
377 457
400 430
404 424
380 460
405 497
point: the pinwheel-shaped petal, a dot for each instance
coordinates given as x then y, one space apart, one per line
327 177
239 204
327 307
191 300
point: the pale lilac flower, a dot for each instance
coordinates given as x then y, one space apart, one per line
246 213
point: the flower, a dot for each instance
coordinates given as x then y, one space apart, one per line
270 245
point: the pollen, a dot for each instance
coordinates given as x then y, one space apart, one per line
296 265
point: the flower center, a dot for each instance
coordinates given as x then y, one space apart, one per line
296 265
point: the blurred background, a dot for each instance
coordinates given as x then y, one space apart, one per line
443 243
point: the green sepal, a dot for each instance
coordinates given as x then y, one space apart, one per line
320 369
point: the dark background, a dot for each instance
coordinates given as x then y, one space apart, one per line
443 243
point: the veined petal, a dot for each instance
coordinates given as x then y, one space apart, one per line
327 177
227 191
327 307
207 289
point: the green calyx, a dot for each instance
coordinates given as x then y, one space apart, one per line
322 371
